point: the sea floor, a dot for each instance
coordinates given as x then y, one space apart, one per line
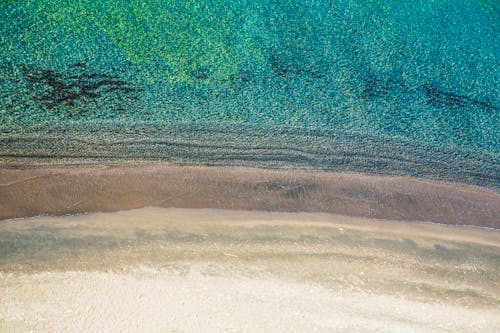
191 270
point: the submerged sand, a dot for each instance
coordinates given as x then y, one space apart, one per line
191 270
58 190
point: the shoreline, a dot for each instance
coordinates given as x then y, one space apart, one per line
73 189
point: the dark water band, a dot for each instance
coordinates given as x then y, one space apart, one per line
246 146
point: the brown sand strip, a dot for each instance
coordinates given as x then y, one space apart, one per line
59 190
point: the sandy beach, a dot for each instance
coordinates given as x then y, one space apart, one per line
231 249
59 190
186 270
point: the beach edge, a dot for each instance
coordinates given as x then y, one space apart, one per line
73 189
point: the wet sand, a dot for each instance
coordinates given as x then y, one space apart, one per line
191 270
59 190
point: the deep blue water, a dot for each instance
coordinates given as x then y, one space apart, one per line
398 87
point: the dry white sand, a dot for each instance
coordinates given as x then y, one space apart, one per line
179 270
193 300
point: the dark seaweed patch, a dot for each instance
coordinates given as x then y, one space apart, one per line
242 76
200 73
73 89
79 64
374 87
288 70
442 99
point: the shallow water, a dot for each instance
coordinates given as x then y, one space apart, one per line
74 189
375 86
219 270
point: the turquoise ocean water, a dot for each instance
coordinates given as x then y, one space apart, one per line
392 87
